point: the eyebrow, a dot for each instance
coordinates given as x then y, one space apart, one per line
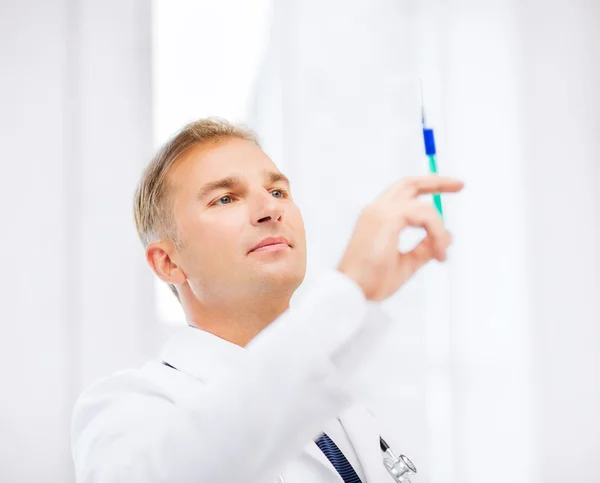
230 182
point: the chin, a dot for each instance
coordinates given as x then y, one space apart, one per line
281 278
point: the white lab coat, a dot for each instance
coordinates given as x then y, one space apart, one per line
248 416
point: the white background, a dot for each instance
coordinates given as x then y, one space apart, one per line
493 373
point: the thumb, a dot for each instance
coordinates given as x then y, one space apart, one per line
410 262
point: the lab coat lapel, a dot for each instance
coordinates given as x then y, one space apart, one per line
364 436
313 451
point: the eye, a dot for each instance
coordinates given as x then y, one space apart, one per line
222 198
282 193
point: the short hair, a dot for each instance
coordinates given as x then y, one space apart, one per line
152 204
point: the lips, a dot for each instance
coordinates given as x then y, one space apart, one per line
270 241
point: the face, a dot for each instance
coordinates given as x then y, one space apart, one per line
227 198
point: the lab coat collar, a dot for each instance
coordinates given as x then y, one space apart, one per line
314 452
200 353
363 433
360 426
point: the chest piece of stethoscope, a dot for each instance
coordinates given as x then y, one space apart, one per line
399 468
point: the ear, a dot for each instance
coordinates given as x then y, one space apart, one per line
159 256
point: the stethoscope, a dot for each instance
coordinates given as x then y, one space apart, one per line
399 468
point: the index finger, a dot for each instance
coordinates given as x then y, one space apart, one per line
422 185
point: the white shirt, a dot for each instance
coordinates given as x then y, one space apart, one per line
258 406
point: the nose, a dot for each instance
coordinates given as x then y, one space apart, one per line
267 208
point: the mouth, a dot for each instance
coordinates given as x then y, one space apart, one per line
271 244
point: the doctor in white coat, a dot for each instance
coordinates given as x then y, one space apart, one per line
253 390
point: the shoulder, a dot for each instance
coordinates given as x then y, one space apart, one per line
128 409
153 378
122 383
132 395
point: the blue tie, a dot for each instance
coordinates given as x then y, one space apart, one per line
337 458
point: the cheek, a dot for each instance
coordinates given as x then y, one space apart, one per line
297 221
212 232
296 225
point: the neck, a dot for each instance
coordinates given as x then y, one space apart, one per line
237 321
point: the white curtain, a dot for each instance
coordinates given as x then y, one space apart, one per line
75 294
492 373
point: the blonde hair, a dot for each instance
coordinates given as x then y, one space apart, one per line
152 207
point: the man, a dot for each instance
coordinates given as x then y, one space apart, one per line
252 390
